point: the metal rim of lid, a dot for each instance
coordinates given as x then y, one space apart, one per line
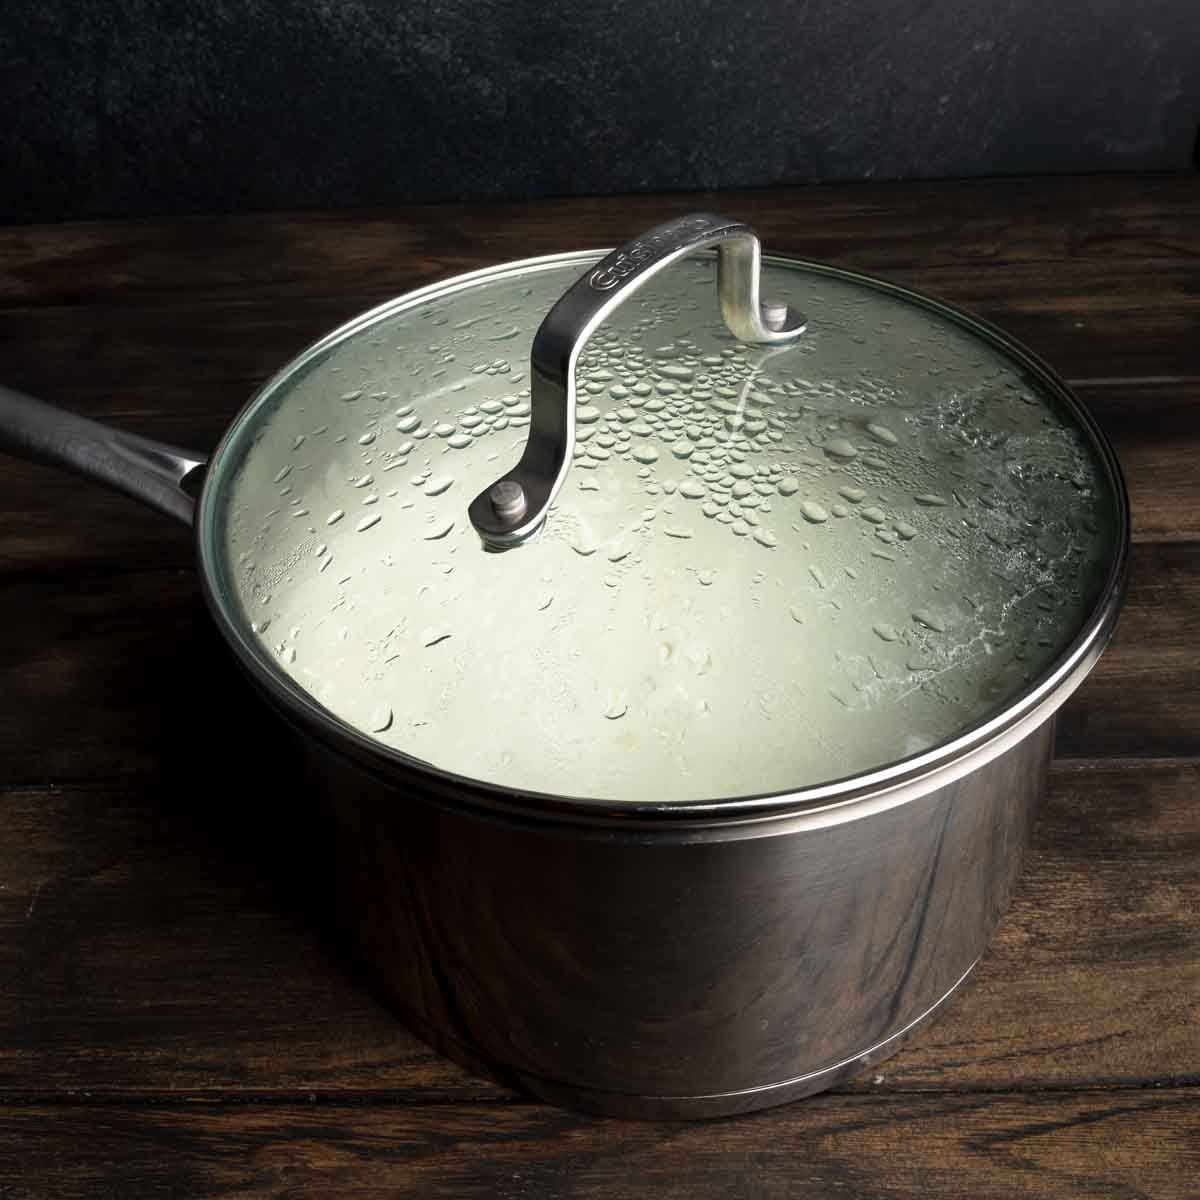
826 803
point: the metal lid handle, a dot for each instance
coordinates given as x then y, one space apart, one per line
513 508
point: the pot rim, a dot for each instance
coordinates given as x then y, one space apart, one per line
848 798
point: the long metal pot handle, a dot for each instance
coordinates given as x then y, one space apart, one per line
159 475
514 507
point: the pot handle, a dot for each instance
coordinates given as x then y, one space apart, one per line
159 475
515 506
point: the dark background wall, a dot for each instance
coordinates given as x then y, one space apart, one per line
164 106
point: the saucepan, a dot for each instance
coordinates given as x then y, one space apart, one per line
677 649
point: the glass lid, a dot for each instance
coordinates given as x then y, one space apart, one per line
768 566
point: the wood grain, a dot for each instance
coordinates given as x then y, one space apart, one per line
57 522
1052 1146
1104 220
178 1012
87 658
150 952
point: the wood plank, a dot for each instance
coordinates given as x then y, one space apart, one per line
1121 1146
1086 320
121 668
1155 430
59 523
878 227
1143 698
173 938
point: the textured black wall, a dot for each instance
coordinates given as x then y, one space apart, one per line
153 106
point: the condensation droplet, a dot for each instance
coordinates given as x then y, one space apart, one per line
840 448
923 616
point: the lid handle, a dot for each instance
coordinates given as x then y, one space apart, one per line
514 507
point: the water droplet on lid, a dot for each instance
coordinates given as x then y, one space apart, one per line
874 514
889 633
433 637
905 530
408 424
882 434
587 415
797 614
840 448
789 485
282 474
766 538
645 453
380 718
705 577
617 707
439 530
438 484
367 438
367 522
813 512
350 397
931 500
923 616
544 601
335 516
854 494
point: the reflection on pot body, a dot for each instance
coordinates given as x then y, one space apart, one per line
654 975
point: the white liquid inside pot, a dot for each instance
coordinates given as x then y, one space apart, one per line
767 568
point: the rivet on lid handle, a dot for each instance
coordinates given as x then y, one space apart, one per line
514 507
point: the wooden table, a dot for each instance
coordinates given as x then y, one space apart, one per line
177 1013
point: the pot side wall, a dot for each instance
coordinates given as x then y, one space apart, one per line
649 977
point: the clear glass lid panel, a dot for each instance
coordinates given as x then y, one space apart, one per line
767 569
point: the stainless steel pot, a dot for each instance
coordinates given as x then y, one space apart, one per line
690 956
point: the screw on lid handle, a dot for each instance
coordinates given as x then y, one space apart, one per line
503 520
